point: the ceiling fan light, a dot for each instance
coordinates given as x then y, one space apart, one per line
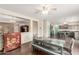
45 12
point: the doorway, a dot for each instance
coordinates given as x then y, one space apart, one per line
35 28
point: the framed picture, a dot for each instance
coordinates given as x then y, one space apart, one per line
24 28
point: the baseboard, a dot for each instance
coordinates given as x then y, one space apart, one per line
26 43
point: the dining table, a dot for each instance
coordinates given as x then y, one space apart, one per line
49 44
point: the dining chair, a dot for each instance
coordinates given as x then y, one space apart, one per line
69 45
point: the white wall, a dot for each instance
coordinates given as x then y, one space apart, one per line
40 28
26 37
46 28
43 28
35 27
16 27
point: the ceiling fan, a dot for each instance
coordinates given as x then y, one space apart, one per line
44 9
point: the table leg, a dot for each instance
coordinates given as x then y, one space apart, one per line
61 50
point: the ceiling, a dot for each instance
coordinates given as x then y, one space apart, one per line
63 11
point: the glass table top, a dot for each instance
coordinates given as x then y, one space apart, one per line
52 41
